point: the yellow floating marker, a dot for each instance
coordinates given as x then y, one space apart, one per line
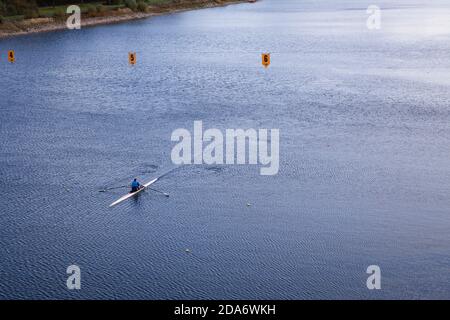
11 56
132 58
266 59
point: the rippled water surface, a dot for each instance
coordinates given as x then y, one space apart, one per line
364 155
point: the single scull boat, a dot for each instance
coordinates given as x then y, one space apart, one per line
129 195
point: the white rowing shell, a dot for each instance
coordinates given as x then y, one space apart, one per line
129 195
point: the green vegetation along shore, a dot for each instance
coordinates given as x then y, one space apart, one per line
18 17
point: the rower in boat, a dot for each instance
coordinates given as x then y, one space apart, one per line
135 185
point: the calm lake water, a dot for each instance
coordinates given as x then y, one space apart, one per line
364 179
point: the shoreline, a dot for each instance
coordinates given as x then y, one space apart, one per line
42 25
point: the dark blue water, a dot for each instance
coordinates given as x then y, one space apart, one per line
364 155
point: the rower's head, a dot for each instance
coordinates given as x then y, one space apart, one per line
134 179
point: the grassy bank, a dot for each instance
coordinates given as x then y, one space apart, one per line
31 18
43 8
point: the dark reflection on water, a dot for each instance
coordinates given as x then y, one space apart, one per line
364 170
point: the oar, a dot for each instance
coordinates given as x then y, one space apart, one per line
104 190
166 194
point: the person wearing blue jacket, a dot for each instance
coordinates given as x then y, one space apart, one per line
135 185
